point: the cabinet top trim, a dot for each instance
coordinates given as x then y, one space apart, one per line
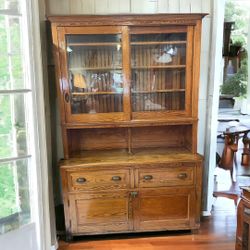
129 20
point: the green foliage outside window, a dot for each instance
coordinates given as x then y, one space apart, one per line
236 85
14 185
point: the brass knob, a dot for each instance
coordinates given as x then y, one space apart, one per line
182 176
81 180
147 177
116 178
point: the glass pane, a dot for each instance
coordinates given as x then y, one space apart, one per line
157 80
95 73
158 101
11 54
161 37
158 71
14 195
158 55
9 4
96 38
13 128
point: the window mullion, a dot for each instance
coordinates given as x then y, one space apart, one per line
5 160
13 110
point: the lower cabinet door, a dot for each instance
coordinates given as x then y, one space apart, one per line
100 212
165 209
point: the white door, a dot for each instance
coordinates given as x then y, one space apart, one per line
20 224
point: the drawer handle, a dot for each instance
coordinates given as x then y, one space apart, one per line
182 176
81 180
116 178
66 97
147 177
134 194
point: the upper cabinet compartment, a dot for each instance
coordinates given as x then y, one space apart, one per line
94 79
160 72
128 69
95 73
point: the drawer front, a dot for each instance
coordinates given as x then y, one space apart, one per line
98 180
166 176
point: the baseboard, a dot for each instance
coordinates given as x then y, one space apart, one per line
206 213
54 247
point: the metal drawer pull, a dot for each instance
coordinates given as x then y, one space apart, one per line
182 176
134 194
116 178
147 177
81 180
66 97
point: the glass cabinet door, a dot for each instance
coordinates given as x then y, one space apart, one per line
159 72
94 72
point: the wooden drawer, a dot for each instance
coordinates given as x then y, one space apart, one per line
98 180
166 176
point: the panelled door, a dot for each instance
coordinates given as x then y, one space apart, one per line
165 209
93 66
161 71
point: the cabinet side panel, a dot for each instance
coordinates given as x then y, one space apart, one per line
196 67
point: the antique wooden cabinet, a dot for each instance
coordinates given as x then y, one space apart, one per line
243 221
128 90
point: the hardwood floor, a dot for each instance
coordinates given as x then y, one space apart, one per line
216 233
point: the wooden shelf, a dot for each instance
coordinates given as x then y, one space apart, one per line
94 44
157 91
121 156
158 43
95 93
110 68
178 120
160 67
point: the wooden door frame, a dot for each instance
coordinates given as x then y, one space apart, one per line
63 77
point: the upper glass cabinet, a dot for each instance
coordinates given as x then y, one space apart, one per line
123 73
159 71
93 68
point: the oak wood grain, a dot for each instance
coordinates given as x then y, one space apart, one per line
131 162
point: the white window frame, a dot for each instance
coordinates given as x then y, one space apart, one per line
39 170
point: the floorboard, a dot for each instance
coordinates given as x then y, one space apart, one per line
216 233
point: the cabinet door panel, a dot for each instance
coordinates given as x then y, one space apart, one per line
165 209
100 212
92 74
160 72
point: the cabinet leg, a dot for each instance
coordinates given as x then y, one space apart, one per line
195 231
68 237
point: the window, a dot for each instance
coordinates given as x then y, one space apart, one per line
16 125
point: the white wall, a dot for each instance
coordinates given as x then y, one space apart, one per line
71 7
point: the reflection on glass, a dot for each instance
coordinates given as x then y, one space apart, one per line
14 195
158 101
13 126
95 73
157 80
158 72
158 55
160 37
